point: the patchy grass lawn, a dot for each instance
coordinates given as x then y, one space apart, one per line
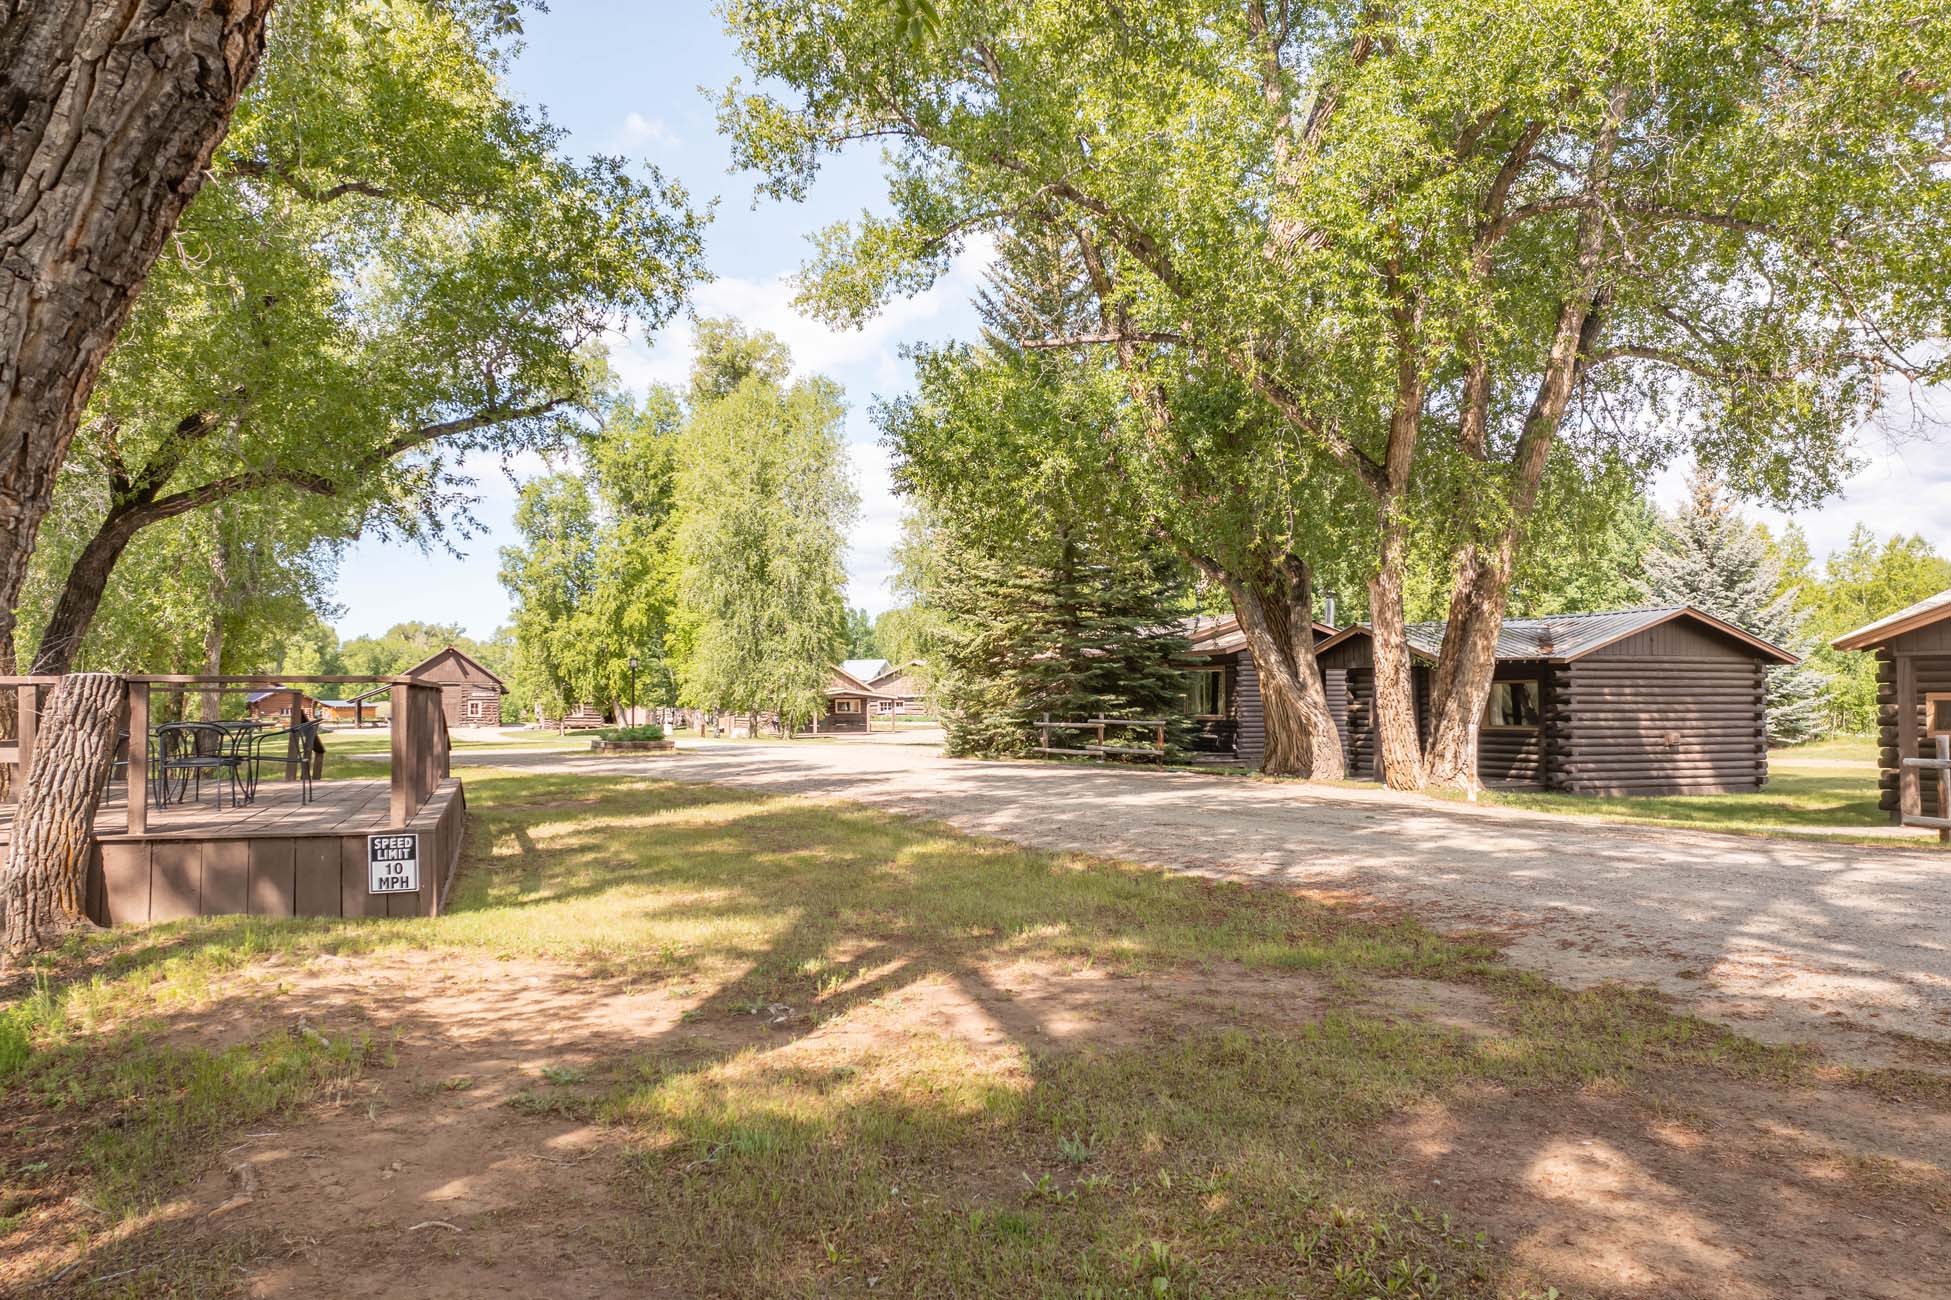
1830 785
697 1042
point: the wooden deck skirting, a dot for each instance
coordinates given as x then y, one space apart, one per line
283 860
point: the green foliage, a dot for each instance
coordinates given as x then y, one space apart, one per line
593 577
761 535
1707 556
1864 581
648 731
861 641
390 267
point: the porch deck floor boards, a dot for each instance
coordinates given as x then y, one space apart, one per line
336 807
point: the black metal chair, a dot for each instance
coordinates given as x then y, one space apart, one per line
187 751
255 749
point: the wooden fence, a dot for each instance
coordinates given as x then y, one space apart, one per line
1100 747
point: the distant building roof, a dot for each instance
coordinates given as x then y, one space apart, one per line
461 654
863 670
1924 613
845 683
1570 636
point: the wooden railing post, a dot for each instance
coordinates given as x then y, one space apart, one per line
138 778
27 710
1910 802
402 808
1944 787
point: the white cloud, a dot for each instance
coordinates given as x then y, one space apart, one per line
639 132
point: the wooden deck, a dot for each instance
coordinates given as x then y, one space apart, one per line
274 856
336 808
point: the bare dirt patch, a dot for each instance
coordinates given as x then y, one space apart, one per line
1714 1190
472 1166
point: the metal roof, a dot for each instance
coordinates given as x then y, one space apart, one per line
1925 612
864 670
1570 636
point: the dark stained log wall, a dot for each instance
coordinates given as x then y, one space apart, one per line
1661 726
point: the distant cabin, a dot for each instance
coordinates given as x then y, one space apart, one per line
1223 692
1665 700
900 687
850 701
275 706
470 695
1913 695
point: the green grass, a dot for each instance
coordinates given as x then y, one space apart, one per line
377 740
1211 1159
1827 786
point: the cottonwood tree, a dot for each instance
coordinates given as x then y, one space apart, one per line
593 579
1179 450
390 270
112 113
1444 243
765 500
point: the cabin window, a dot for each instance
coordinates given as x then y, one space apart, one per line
1205 692
846 706
1937 715
1512 704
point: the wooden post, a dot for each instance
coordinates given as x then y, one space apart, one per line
27 712
401 809
1941 746
291 741
1910 798
138 758
1100 740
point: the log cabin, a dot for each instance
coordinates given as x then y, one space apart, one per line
903 689
1223 692
1661 700
849 700
470 694
1913 695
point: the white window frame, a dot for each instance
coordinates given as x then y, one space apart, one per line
846 706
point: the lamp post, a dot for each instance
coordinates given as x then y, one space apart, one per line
633 690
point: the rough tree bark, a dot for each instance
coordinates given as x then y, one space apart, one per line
1395 692
109 113
1275 608
43 892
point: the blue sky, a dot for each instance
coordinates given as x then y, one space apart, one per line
625 78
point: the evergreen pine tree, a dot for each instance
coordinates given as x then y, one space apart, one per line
1072 613
1709 557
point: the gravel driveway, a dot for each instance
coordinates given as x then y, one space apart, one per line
1788 939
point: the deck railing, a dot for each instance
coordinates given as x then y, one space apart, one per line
420 745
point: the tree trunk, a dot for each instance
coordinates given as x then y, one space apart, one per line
1460 686
210 705
81 595
1395 692
1276 613
43 894
109 113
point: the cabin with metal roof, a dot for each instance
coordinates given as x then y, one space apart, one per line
1913 694
1659 700
1223 692
849 700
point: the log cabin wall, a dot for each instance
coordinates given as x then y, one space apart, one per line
1246 708
1927 653
1523 757
1672 710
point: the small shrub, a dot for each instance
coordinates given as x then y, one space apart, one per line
650 731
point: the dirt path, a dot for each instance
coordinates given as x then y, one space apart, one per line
1786 940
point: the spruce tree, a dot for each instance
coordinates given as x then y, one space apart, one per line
1063 607
1706 555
